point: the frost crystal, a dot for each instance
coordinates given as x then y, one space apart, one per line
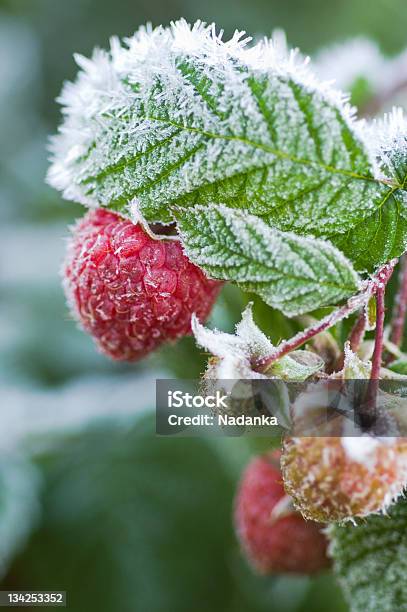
293 273
354 367
234 353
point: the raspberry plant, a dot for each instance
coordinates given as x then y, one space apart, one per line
265 178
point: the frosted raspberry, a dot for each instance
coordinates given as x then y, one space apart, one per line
130 292
333 479
274 536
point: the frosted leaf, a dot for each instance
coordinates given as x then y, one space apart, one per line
176 116
370 560
234 353
292 273
247 330
384 232
298 366
389 142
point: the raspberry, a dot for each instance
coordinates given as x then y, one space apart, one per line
274 536
333 479
130 292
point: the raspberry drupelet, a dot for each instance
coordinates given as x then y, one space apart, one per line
129 291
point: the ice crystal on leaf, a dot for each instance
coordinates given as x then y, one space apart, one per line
370 560
177 116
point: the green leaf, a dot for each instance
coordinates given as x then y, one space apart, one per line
370 561
181 118
294 274
297 365
378 238
399 366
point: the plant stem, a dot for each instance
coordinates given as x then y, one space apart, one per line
376 283
378 347
400 306
354 303
373 385
358 331
383 277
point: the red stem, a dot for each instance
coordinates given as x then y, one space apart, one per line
358 331
383 277
376 284
400 306
373 386
303 336
378 347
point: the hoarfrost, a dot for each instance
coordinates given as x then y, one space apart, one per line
354 368
201 95
234 352
292 273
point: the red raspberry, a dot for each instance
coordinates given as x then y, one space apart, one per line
130 292
274 536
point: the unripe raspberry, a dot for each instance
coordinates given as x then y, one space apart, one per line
130 292
333 479
275 538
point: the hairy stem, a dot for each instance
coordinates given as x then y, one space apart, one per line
303 336
400 306
378 347
371 287
373 385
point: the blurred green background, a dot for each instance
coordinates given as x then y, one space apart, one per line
91 502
